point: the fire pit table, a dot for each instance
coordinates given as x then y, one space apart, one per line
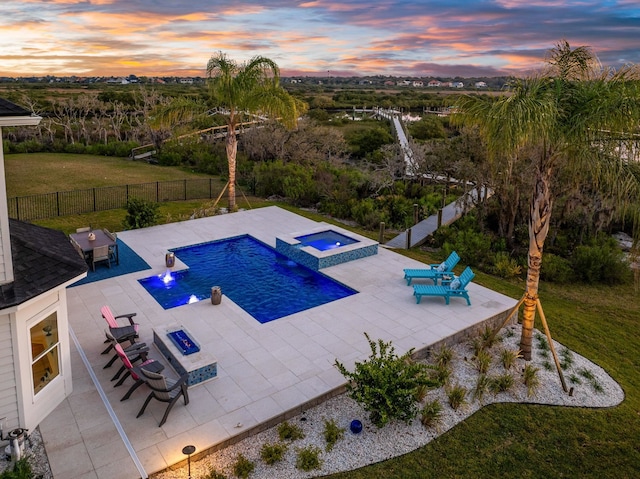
181 349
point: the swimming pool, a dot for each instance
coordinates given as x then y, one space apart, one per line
264 283
326 240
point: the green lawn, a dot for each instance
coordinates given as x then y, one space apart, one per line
30 174
501 440
533 441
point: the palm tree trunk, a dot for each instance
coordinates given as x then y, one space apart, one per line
539 216
231 145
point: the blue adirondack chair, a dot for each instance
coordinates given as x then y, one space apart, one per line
448 288
435 272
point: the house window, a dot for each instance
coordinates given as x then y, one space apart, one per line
45 360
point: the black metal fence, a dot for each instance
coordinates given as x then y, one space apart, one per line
74 202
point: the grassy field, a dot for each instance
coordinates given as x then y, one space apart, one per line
502 440
31 174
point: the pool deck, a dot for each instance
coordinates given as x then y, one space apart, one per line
265 371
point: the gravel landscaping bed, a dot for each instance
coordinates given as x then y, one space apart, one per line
598 389
591 387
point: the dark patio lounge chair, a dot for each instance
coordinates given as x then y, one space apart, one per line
164 390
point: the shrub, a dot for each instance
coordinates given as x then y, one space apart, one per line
457 396
21 470
243 467
531 379
272 453
600 262
214 474
308 458
555 269
505 266
289 432
474 247
385 384
140 213
332 433
431 413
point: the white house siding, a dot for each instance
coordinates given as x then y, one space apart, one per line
33 409
6 266
8 390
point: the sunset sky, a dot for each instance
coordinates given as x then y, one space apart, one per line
421 38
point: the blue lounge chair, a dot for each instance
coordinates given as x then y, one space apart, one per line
448 288
435 272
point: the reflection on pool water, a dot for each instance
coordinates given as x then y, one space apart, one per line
326 240
253 275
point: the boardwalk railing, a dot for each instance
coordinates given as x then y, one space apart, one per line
74 202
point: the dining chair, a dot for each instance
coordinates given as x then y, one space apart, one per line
101 253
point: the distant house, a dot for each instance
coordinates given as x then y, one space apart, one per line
36 265
433 83
480 84
403 83
186 81
457 84
418 83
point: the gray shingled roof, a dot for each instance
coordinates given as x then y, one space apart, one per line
42 260
11 109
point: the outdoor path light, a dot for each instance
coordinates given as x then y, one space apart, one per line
188 450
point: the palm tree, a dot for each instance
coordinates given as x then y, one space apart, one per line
240 92
560 121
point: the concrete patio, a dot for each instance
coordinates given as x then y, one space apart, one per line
265 371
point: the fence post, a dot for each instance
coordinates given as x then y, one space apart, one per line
157 192
58 202
381 236
408 238
94 199
185 189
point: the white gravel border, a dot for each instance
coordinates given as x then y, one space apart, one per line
397 438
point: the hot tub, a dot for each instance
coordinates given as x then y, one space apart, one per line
325 246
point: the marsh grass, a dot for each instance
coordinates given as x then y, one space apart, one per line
456 394
482 361
508 358
443 356
501 383
431 413
481 387
531 379
566 359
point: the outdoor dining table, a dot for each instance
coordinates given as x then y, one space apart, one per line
101 239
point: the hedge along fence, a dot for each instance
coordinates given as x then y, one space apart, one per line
62 203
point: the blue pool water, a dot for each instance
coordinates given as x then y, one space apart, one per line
264 283
326 240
